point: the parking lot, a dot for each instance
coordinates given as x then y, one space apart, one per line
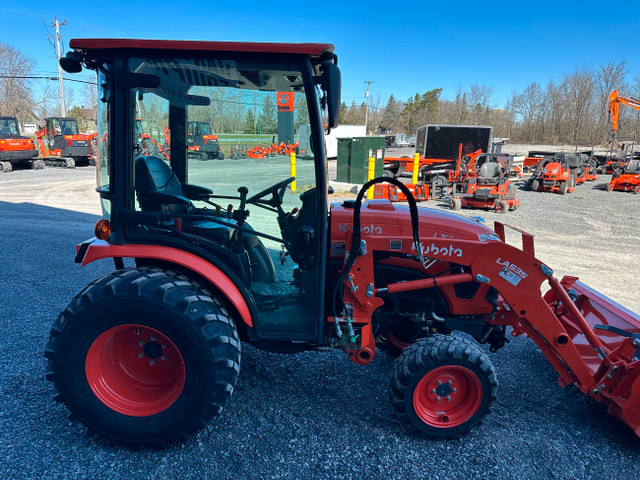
311 415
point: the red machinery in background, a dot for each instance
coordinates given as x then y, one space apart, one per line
61 144
486 184
14 147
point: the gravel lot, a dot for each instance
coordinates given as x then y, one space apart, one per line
310 415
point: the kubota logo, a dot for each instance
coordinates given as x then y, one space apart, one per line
372 229
446 251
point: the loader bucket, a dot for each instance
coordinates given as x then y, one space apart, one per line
607 337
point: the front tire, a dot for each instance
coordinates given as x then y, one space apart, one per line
535 185
442 386
143 356
502 206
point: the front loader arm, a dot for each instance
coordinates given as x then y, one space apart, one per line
564 322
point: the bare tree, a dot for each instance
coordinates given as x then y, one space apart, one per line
480 103
579 91
16 97
529 107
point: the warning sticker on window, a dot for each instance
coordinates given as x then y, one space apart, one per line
510 276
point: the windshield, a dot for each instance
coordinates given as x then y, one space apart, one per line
257 111
9 126
102 140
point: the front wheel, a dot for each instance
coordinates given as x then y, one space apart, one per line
143 356
563 187
442 386
535 185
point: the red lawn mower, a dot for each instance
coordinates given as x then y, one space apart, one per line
626 177
486 185
558 173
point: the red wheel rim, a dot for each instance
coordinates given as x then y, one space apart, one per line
135 370
447 396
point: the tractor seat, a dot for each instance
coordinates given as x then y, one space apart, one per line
489 173
154 175
633 166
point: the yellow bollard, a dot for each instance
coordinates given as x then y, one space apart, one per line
293 170
370 174
416 167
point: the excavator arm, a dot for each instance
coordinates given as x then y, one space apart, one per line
615 99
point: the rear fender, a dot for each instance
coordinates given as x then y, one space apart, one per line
98 249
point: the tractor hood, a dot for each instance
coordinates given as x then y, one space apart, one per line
383 218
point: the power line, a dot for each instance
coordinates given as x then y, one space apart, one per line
42 77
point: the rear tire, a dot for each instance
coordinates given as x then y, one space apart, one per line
442 386
143 356
221 155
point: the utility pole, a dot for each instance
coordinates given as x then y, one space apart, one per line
57 24
366 110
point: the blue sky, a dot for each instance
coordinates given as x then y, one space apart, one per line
405 48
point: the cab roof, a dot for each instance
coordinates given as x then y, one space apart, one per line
311 49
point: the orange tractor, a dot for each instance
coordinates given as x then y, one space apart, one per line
61 145
16 148
486 184
151 351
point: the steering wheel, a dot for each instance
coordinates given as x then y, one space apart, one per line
276 191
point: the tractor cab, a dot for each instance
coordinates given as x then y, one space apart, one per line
260 225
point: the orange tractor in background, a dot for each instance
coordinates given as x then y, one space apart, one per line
61 145
14 147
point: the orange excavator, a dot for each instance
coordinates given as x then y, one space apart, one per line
615 99
61 145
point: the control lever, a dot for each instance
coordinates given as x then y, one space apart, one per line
240 215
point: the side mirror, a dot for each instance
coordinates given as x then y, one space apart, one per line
70 63
331 79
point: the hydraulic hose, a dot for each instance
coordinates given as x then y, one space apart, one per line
356 249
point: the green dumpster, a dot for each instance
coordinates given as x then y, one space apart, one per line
353 158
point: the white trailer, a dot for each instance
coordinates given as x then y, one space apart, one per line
343 131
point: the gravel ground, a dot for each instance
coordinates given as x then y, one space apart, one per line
310 415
